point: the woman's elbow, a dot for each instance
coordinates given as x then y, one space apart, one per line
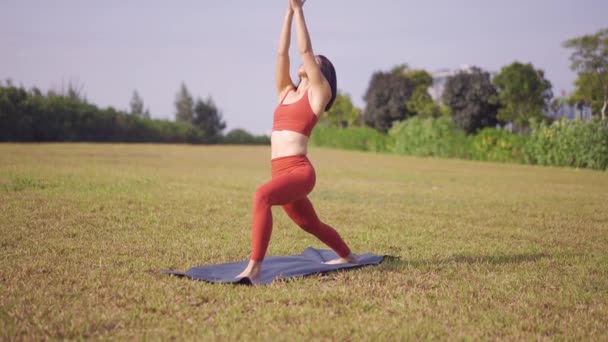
305 51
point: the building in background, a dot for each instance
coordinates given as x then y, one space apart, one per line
440 78
560 107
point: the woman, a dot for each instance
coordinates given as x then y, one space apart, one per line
293 177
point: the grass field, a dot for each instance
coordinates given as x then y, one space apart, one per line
485 251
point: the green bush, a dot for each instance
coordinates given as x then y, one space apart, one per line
429 137
499 145
240 136
569 143
352 138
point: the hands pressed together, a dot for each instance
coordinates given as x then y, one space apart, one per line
295 5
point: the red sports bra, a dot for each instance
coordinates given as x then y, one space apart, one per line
297 116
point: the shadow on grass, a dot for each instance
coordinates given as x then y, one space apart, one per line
397 262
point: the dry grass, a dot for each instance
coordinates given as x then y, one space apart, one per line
485 251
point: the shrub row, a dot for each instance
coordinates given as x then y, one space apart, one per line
562 143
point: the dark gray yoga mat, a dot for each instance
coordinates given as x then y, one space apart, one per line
310 262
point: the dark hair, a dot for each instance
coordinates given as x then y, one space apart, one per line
328 70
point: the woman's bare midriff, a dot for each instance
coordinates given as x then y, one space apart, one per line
288 143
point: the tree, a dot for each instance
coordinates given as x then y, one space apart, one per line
209 119
398 95
523 92
471 97
342 113
15 122
137 104
420 78
421 103
184 105
590 60
588 93
75 91
36 91
387 97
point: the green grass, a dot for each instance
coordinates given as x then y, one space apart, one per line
485 251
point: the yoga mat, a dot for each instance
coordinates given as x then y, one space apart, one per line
310 262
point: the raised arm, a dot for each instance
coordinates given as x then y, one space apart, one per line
313 71
283 79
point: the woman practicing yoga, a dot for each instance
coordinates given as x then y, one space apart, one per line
293 176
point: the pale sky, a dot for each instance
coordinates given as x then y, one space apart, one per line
227 48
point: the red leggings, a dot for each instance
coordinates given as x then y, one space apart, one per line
293 177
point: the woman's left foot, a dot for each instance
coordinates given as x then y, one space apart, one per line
350 259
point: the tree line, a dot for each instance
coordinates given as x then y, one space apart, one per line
66 115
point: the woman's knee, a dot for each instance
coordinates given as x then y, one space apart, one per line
261 196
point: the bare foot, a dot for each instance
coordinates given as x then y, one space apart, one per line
253 270
350 259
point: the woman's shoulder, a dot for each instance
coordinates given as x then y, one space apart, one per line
283 94
318 98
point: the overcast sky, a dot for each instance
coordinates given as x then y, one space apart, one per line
227 48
